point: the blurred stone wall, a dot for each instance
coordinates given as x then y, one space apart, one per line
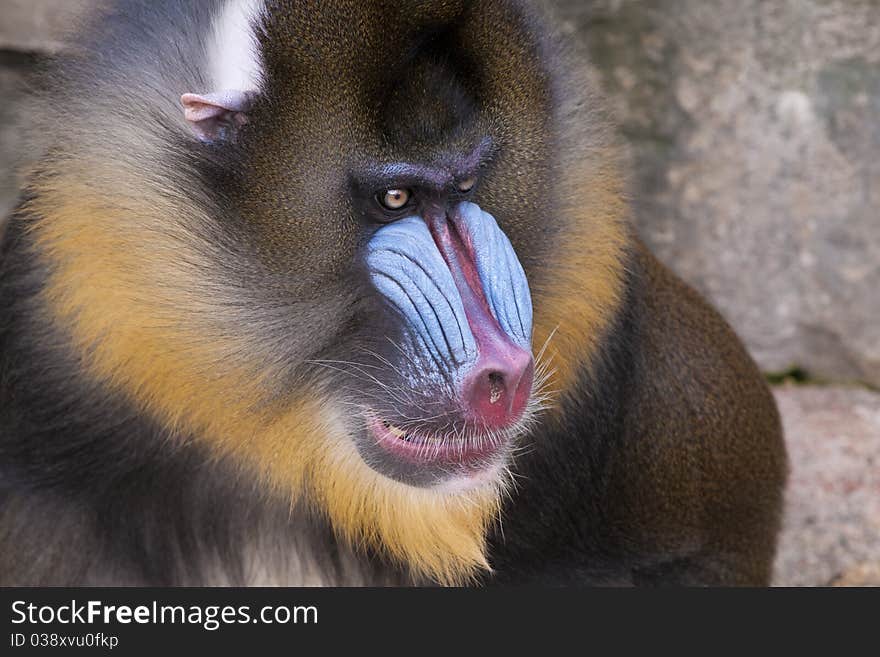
13 67
755 133
755 128
29 30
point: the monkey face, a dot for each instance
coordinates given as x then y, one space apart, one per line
387 219
458 379
431 358
331 268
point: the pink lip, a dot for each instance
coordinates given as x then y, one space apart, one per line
474 453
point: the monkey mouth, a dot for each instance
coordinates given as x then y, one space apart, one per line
474 451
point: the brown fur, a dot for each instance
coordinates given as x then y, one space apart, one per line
705 467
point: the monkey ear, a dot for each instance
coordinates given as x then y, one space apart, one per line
217 116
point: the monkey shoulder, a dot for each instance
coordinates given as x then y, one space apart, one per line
700 463
694 382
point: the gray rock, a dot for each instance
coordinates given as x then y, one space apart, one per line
37 25
755 128
831 530
28 30
14 68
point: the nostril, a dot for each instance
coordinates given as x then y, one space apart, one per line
496 392
496 387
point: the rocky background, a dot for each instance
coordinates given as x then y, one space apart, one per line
754 128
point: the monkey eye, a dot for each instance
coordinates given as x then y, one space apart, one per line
467 185
395 199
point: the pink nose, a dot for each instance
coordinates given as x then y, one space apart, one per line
495 392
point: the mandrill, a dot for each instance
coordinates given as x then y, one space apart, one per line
345 292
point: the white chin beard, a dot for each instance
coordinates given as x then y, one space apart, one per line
491 476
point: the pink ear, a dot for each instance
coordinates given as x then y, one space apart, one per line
216 116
